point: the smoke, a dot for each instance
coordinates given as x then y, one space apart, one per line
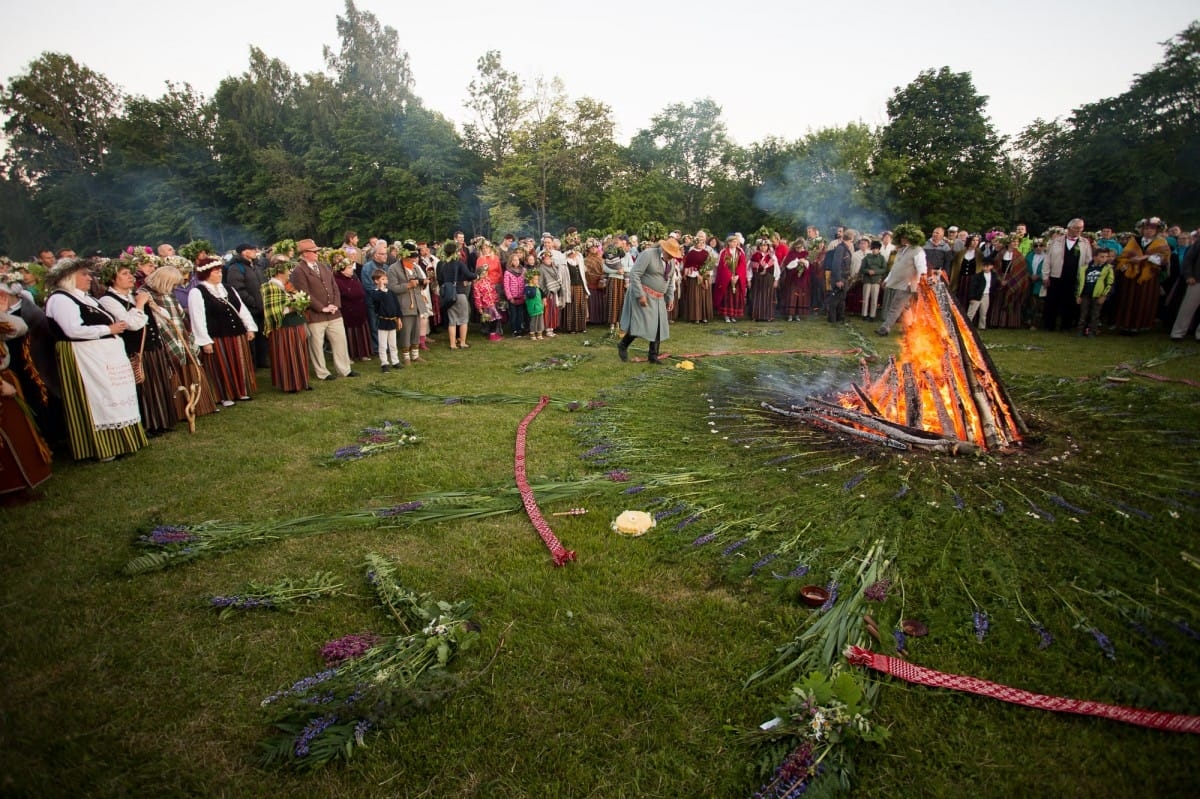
819 190
785 382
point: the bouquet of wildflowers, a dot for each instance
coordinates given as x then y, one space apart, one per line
824 717
286 594
298 301
383 437
377 680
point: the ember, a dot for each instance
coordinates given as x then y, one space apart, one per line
941 394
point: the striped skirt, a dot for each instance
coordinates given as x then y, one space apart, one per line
358 342
289 358
575 315
551 317
191 375
614 298
156 399
86 440
229 368
597 307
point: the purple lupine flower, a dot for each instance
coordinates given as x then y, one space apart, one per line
981 625
687 520
634 490
1062 503
223 601
599 449
663 514
1105 645
958 501
707 538
780 459
799 571
878 590
168 534
833 596
315 727
850 484
763 561
618 475
360 730
1041 514
300 686
378 438
735 546
901 640
396 510
1141 514
904 489
1044 636
348 453
1183 627
1146 633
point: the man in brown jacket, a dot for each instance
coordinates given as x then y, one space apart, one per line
324 316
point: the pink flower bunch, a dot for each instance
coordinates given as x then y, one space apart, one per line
348 647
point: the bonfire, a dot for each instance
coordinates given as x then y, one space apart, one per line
942 393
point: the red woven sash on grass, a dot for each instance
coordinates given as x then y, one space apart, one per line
1171 722
559 553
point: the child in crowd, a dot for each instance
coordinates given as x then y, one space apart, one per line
387 311
1095 282
871 271
483 294
534 304
983 283
514 292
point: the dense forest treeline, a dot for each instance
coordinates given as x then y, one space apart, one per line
274 154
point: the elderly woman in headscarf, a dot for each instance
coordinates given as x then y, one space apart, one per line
284 327
354 306
222 327
1144 257
99 392
143 345
192 393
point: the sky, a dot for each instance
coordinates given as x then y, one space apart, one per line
776 67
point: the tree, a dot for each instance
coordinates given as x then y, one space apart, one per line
689 145
370 66
58 115
496 98
1118 159
822 179
165 175
940 154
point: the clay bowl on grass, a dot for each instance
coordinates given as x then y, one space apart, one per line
813 595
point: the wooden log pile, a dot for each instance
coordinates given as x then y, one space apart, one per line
942 394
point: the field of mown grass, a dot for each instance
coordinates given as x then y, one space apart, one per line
623 673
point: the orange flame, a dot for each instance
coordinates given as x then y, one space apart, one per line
941 381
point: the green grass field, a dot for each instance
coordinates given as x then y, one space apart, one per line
623 674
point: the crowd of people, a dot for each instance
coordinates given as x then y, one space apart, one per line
98 354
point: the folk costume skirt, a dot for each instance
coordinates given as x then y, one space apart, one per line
87 441
229 368
289 357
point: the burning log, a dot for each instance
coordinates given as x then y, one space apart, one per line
942 394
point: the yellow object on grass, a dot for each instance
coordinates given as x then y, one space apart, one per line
633 522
